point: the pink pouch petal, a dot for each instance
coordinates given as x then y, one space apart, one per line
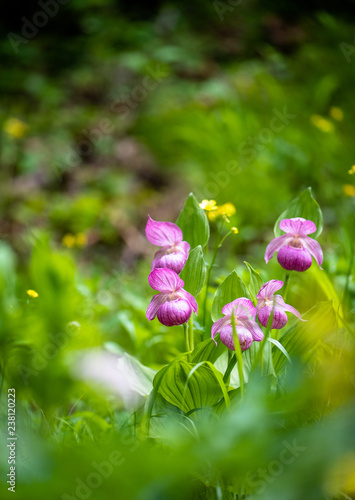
275 245
154 305
169 260
253 328
219 324
279 319
294 259
244 336
183 294
176 312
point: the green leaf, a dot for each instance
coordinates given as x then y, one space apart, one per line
279 346
194 272
200 389
230 289
303 206
193 223
218 376
305 337
208 350
256 280
163 416
250 355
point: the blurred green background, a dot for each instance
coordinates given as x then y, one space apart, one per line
112 110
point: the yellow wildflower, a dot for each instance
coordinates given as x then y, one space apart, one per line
352 170
15 127
322 123
69 240
32 293
208 205
234 230
336 113
227 209
349 190
213 215
81 239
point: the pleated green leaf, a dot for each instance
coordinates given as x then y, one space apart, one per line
230 289
194 272
303 338
208 350
303 206
193 223
256 280
188 389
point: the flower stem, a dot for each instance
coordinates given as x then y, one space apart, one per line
191 334
287 283
260 354
187 344
238 355
209 271
231 365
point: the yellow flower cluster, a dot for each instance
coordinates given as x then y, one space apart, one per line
352 170
349 190
15 127
322 123
72 240
208 205
32 293
336 113
214 211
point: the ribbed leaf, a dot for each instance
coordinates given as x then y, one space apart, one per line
193 223
267 362
201 389
230 289
303 206
208 350
194 272
256 280
304 337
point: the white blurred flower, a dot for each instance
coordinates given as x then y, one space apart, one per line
120 374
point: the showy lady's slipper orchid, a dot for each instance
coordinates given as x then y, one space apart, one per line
174 305
168 235
295 248
268 302
247 329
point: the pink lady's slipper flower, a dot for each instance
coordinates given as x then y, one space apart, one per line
295 248
267 302
174 305
175 251
247 329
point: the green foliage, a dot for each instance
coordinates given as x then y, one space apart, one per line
193 223
307 339
194 272
190 386
230 289
80 172
303 206
255 282
208 350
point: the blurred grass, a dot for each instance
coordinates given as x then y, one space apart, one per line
72 215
